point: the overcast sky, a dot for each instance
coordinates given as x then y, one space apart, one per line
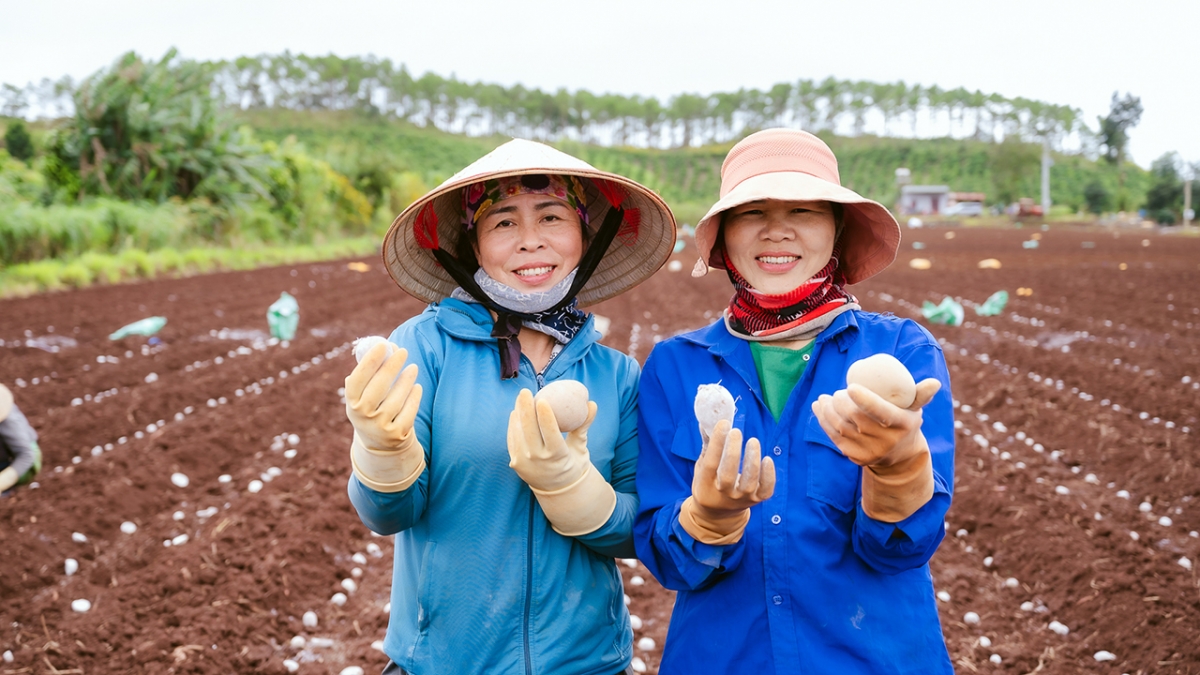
1074 53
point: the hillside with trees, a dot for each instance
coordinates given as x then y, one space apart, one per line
210 161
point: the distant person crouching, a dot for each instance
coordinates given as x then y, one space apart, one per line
20 457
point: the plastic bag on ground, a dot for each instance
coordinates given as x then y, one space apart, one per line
993 305
949 312
283 316
147 326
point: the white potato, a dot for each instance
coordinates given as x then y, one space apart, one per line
886 376
363 345
569 401
713 404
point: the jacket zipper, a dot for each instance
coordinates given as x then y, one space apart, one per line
529 551
529 587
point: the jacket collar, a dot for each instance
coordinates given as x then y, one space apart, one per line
718 340
735 352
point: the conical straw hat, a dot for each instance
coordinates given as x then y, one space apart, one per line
641 247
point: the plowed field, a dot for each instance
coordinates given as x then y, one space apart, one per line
1075 500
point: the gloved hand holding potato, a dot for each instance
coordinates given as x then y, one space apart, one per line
576 499
382 400
883 437
719 508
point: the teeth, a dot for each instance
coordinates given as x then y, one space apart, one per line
777 260
533 271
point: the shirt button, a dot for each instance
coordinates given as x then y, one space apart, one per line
778 599
776 519
777 450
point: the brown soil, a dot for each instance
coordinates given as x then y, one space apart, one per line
231 598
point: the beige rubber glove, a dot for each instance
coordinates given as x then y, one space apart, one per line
887 441
574 496
8 478
382 402
719 508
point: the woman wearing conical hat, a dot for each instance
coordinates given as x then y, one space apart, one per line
506 528
804 549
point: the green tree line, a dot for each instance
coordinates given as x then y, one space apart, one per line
379 86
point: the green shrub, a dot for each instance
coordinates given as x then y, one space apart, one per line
137 263
18 141
76 274
169 261
103 268
31 277
198 260
19 182
44 274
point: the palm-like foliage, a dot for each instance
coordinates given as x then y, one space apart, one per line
153 130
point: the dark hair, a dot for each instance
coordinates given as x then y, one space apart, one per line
464 245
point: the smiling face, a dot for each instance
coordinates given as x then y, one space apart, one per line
529 242
778 245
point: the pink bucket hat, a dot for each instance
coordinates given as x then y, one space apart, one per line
794 165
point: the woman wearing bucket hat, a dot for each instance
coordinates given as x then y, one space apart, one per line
506 528
815 557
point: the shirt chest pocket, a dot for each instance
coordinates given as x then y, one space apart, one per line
832 479
687 443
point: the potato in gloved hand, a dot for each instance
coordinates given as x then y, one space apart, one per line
881 436
569 401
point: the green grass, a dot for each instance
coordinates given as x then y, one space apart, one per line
131 265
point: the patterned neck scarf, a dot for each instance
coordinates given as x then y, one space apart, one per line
562 325
753 315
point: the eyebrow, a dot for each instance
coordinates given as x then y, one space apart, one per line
810 205
539 206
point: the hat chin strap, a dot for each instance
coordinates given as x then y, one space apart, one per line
508 322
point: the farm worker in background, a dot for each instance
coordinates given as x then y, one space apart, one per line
505 529
814 559
20 457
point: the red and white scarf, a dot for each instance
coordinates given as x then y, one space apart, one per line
799 313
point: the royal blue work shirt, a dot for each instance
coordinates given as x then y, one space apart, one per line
814 585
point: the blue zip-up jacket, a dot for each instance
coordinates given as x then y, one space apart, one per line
481 582
814 585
